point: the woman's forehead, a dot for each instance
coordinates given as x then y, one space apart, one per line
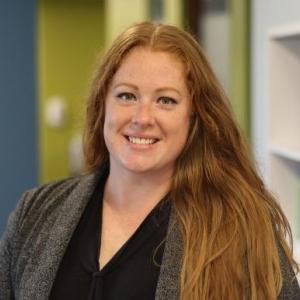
160 66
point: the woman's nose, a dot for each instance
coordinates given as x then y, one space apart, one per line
143 115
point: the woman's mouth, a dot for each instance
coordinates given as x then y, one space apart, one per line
140 140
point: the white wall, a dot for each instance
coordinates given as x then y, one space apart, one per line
266 16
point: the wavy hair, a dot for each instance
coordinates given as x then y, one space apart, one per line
232 227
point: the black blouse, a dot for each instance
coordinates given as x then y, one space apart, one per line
132 273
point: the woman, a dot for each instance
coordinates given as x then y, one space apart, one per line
171 207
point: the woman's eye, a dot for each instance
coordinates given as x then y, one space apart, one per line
126 96
167 101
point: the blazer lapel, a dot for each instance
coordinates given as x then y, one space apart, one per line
41 280
169 277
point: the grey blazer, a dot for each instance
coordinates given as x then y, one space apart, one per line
40 228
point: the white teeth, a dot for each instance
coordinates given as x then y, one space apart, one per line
141 141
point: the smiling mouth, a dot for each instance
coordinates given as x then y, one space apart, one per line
140 141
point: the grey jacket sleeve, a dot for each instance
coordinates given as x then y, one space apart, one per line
290 288
7 246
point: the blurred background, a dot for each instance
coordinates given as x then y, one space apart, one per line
49 49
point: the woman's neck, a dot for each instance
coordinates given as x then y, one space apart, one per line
131 192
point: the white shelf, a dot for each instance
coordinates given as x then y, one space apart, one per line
288 31
284 177
284 152
283 126
284 92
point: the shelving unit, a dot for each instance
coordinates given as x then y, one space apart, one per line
283 143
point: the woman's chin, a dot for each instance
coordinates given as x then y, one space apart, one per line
141 167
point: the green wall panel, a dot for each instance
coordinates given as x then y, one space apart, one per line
174 12
240 62
121 14
140 10
70 35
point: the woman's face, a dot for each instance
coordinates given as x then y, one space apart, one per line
147 113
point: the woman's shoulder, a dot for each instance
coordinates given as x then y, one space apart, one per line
42 221
36 198
49 200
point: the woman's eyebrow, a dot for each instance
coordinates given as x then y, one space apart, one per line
168 88
126 84
161 89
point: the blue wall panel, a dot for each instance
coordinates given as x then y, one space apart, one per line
18 113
